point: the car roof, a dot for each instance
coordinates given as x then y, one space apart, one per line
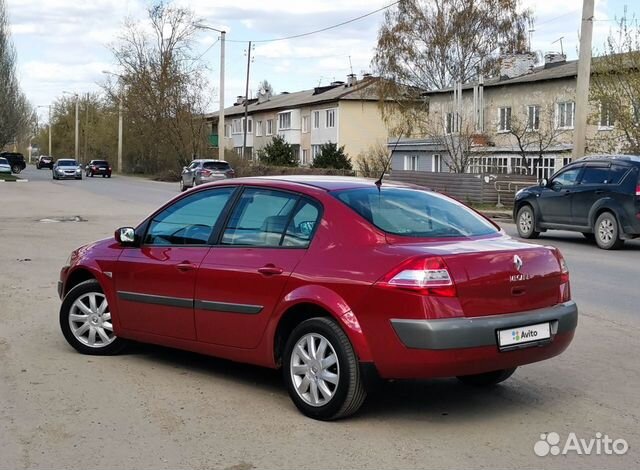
608 158
66 159
328 183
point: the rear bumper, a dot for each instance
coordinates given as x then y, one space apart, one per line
209 179
455 333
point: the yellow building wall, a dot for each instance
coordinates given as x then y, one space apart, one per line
360 126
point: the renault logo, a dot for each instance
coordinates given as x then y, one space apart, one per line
517 263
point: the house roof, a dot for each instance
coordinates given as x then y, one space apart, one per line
362 90
568 69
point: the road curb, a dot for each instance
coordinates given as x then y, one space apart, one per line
14 181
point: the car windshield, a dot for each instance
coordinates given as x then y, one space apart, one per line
215 165
4 161
67 163
415 213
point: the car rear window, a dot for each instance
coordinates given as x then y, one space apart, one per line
595 175
215 165
101 162
415 213
616 174
4 161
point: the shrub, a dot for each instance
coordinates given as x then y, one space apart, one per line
373 162
278 152
331 156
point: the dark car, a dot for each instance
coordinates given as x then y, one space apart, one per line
16 160
98 167
329 279
598 196
44 161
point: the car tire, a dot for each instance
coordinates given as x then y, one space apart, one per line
324 385
93 317
525 223
193 183
16 169
607 232
589 236
182 186
487 379
109 176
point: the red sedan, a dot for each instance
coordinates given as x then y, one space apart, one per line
329 279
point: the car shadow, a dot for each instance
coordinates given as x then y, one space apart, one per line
411 400
629 245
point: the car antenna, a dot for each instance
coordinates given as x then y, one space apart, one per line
378 182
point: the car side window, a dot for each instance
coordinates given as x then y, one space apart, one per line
259 218
594 175
190 220
302 226
617 174
566 178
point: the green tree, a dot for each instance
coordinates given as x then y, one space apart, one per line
332 156
278 152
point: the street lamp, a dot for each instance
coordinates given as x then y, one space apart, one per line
119 119
221 113
77 120
48 106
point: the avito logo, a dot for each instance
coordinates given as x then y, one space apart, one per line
602 444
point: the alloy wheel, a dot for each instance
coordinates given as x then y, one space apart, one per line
315 370
90 320
606 231
526 221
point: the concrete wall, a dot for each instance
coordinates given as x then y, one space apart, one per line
361 126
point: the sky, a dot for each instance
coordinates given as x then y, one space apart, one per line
63 45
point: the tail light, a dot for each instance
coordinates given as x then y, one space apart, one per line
205 172
231 173
426 276
638 189
565 285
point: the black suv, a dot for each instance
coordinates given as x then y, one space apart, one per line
598 196
16 160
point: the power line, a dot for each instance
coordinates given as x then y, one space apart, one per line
207 49
321 30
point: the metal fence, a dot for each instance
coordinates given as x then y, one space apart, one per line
469 187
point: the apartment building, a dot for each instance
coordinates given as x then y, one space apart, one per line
526 100
344 113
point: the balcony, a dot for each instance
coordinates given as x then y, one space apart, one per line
213 140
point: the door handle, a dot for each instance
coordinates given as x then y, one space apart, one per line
186 266
270 270
600 191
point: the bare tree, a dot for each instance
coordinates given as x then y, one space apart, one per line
534 136
615 90
164 89
433 44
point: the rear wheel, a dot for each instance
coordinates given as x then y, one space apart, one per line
321 370
607 232
488 378
525 222
85 320
16 169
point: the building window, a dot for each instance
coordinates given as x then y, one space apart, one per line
258 128
305 157
606 117
315 151
316 119
565 113
305 124
436 163
227 130
269 126
236 126
330 117
238 150
411 162
452 123
533 118
284 120
249 126
504 119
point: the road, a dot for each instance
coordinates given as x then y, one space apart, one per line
158 408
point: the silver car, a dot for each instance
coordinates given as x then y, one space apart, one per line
67 168
5 167
205 171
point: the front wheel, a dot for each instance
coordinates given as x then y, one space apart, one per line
525 222
487 379
85 320
321 371
16 169
607 232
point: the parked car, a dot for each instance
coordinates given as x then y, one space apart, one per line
330 279
98 167
16 160
5 167
67 168
205 171
44 161
598 196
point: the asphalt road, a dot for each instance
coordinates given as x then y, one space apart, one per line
159 408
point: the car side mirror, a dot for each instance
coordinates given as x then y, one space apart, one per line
544 182
184 168
125 236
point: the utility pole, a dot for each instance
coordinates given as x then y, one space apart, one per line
86 128
77 124
246 103
50 152
584 75
221 112
120 106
